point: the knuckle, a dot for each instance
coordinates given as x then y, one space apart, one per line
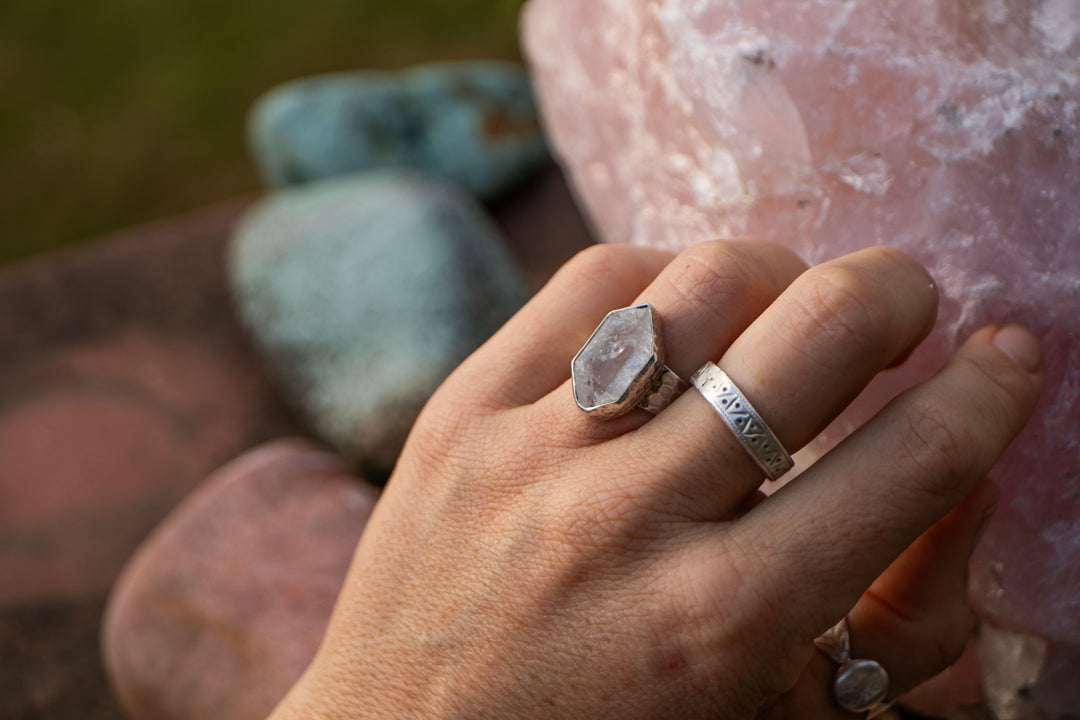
846 301
600 263
839 306
940 448
712 272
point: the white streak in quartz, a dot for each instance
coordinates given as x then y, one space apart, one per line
1007 97
1059 22
865 173
735 65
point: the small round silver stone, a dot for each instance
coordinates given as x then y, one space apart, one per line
860 685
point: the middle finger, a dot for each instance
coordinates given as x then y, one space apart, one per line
799 363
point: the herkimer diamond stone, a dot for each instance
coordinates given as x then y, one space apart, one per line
615 367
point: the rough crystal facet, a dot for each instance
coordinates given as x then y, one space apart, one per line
611 363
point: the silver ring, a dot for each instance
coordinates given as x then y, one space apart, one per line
621 366
740 416
859 685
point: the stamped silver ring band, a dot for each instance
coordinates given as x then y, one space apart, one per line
740 416
859 685
621 366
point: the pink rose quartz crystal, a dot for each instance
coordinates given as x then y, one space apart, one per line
946 128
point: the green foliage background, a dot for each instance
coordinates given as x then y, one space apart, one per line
116 112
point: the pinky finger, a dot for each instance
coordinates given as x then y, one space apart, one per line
914 620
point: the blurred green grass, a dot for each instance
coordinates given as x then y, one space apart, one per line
116 112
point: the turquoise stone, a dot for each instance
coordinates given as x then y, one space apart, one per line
473 124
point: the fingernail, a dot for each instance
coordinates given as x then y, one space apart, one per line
1020 346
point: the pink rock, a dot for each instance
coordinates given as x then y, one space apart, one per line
946 129
225 605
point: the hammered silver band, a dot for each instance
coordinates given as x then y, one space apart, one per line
668 387
739 415
859 686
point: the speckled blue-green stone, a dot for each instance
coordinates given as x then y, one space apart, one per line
364 292
469 123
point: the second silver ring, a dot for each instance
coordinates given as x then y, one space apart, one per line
739 415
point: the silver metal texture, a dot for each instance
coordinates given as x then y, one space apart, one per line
836 642
744 421
664 391
859 686
621 366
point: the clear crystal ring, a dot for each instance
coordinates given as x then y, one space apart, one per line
716 387
621 366
859 685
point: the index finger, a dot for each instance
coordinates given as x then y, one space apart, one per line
833 530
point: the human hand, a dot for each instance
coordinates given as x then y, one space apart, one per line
528 561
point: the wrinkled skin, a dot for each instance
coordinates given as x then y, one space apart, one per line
528 561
